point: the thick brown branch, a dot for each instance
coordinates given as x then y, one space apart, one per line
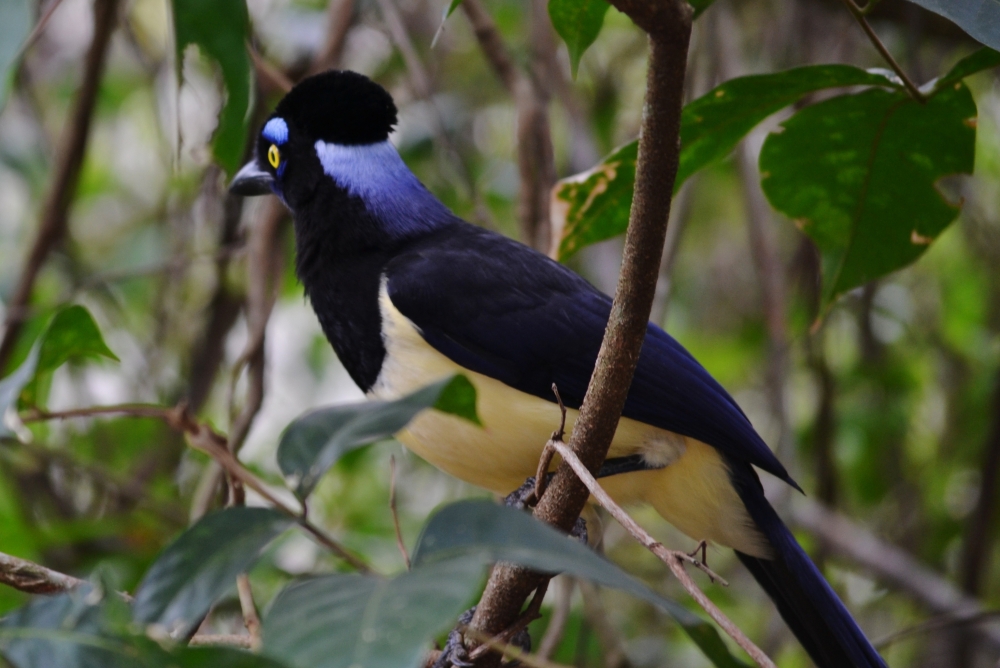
669 26
52 226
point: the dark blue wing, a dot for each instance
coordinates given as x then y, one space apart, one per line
503 310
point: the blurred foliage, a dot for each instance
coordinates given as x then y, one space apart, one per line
907 363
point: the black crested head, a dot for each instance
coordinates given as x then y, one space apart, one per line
340 107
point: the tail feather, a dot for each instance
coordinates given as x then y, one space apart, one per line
802 595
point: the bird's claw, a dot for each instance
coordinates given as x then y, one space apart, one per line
454 652
523 497
580 531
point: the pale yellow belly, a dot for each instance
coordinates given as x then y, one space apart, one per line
692 491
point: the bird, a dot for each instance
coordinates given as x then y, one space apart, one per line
408 294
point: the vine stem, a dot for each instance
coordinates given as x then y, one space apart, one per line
859 15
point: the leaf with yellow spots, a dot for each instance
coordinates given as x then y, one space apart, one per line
859 174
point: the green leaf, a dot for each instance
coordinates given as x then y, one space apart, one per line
983 59
15 23
221 657
316 441
497 533
979 18
858 174
220 28
72 334
202 565
338 621
595 205
579 23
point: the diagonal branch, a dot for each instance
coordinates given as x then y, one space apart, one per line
52 227
668 24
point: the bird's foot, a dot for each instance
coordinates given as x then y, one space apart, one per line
702 547
524 497
580 531
454 652
522 641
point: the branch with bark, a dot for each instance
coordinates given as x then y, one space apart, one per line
669 27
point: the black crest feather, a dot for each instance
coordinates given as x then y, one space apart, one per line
340 107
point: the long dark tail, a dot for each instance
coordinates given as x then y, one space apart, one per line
805 600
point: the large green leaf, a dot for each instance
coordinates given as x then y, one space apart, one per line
979 18
202 565
497 533
595 205
339 621
221 29
316 441
859 173
579 23
15 22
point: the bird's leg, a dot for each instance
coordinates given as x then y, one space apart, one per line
454 652
702 546
524 497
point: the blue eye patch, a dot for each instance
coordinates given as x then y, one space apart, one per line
276 131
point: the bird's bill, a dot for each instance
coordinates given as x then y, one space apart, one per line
251 180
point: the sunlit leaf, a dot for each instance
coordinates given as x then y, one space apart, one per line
579 23
338 621
595 205
15 22
979 18
220 28
859 175
202 565
498 533
316 441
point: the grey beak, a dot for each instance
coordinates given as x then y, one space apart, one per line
251 180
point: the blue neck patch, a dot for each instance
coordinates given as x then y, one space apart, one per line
276 131
391 192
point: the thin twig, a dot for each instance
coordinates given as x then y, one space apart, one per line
597 618
52 226
395 515
43 21
251 618
859 15
936 623
530 614
672 558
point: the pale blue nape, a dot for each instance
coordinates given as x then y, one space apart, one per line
391 192
276 131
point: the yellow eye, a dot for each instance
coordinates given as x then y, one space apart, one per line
273 156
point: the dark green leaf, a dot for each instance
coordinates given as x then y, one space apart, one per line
858 174
353 620
497 533
220 28
983 59
15 22
595 205
579 23
72 334
314 442
979 18
202 565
